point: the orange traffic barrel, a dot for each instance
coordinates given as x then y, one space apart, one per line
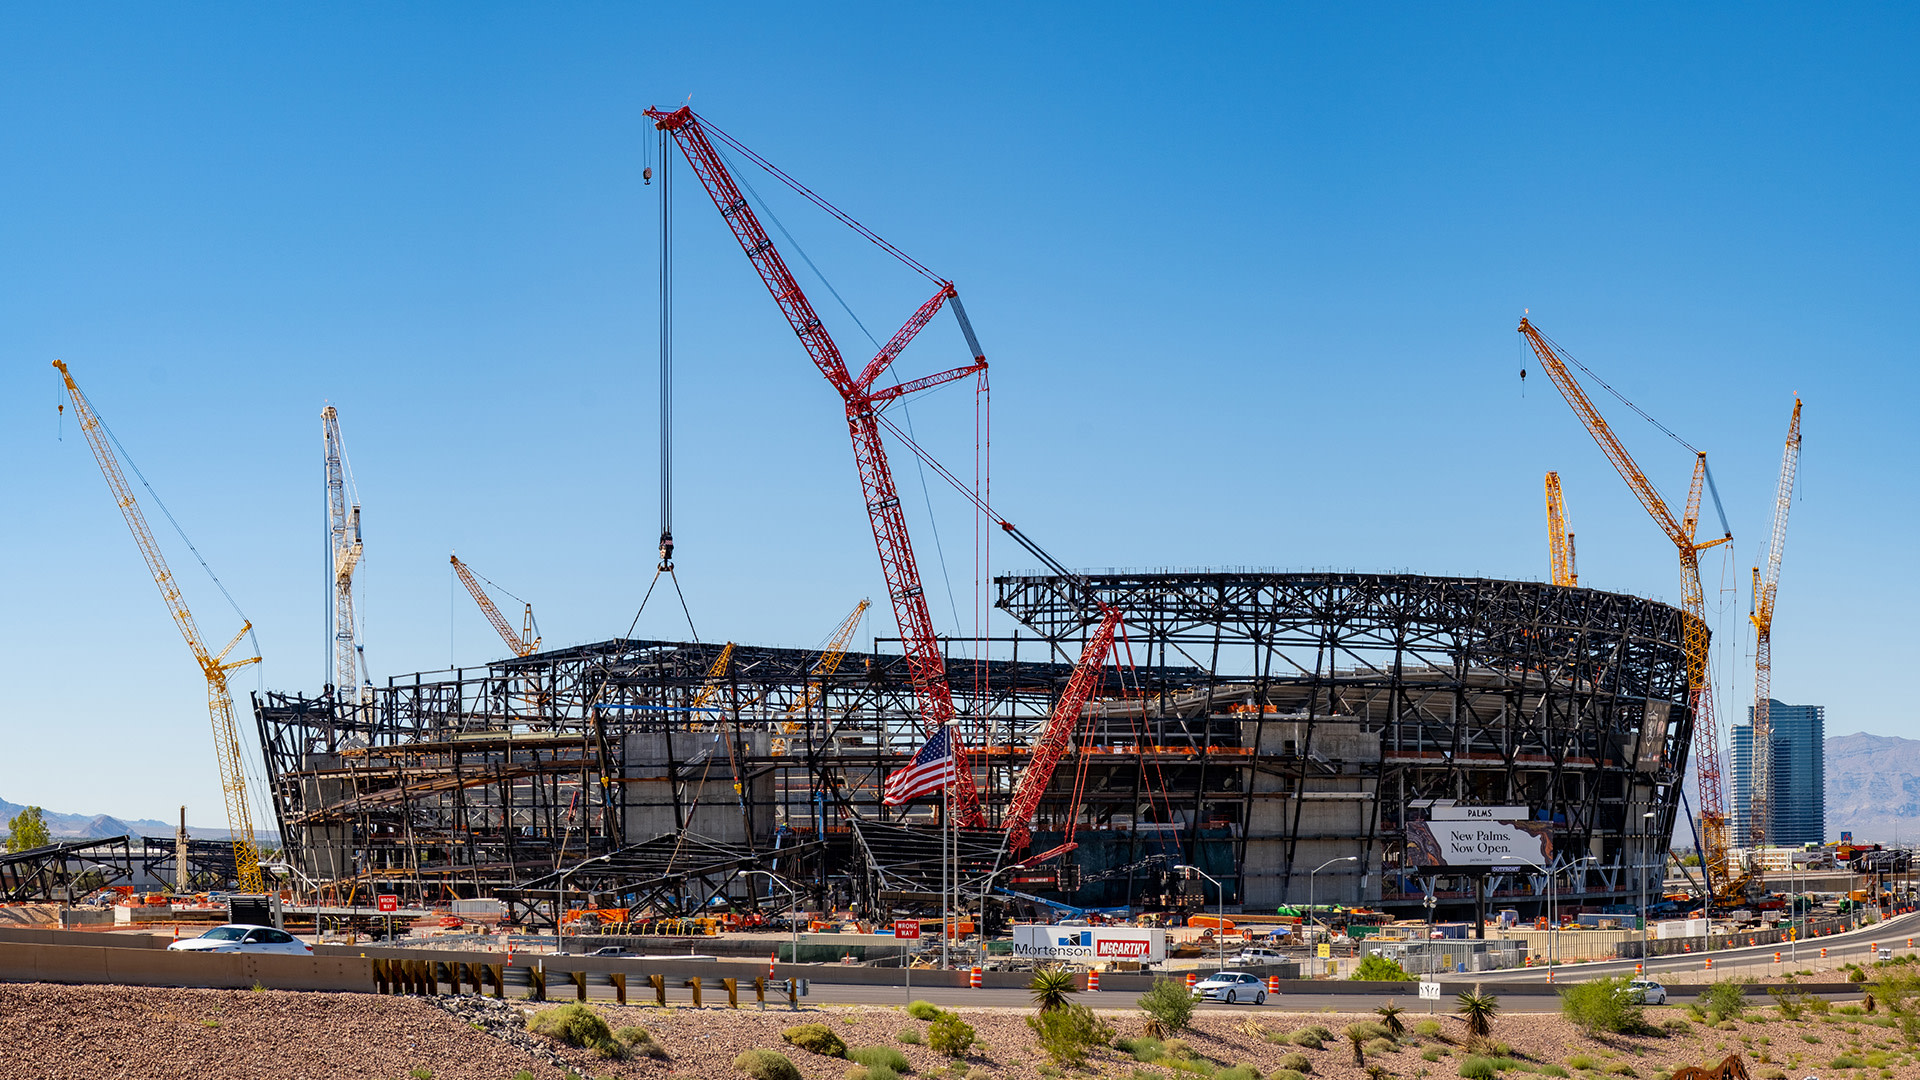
1093 979
974 980
1273 984
1192 979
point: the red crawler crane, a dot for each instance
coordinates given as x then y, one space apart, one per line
926 663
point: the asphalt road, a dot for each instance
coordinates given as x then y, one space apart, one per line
1756 961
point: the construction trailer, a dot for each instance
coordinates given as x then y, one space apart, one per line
1265 725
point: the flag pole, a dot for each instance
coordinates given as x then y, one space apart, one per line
946 870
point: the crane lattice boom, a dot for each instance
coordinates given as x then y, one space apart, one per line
522 644
1057 737
1694 630
1760 769
926 661
226 736
1559 540
344 542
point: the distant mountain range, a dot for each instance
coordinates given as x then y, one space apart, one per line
101 826
1873 788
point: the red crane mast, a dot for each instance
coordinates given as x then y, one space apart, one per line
926 662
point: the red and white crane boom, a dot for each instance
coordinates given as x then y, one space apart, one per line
926 661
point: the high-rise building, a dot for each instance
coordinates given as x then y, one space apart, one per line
1799 775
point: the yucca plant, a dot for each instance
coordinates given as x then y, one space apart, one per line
1051 987
1478 1009
1390 1018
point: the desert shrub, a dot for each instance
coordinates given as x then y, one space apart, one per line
766 1065
1285 1074
871 1072
1676 1026
1725 1000
1297 1062
1429 1029
1313 1036
611 1050
575 1025
1432 1053
909 1036
1376 968
1477 1068
950 1035
1603 1006
1238 1072
923 1010
1552 1070
881 1055
1390 1014
639 1040
1142 1048
1620 1068
1381 1046
1169 1007
1846 1061
816 1039
1580 1061
1068 1032
1051 987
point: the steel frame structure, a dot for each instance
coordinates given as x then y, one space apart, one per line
1385 691
1255 702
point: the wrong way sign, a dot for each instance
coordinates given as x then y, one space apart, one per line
906 928
387 903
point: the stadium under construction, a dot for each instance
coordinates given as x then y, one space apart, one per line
1279 731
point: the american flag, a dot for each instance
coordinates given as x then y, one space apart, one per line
933 768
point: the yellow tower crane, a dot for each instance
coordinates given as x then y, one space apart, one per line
828 663
525 643
1760 755
1559 539
1694 630
215 666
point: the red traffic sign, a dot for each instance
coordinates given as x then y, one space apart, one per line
906 928
388 903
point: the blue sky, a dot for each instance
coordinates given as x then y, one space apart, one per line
1248 278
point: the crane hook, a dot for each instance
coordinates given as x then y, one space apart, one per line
646 175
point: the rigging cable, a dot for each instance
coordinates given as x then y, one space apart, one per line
666 360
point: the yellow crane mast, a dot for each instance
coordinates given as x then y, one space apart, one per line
215 666
715 672
524 643
1694 631
1760 769
1559 539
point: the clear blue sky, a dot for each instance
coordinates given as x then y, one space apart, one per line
1248 278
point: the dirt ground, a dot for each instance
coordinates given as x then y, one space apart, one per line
107 1032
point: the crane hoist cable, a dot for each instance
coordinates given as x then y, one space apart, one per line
214 666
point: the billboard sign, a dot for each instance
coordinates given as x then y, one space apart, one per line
1089 944
1479 843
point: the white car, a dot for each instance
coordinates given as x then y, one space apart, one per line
1646 992
243 938
1231 987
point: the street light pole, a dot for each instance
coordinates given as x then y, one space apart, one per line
793 908
560 901
1219 931
1313 912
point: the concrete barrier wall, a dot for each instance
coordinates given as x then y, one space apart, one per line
22 935
151 967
